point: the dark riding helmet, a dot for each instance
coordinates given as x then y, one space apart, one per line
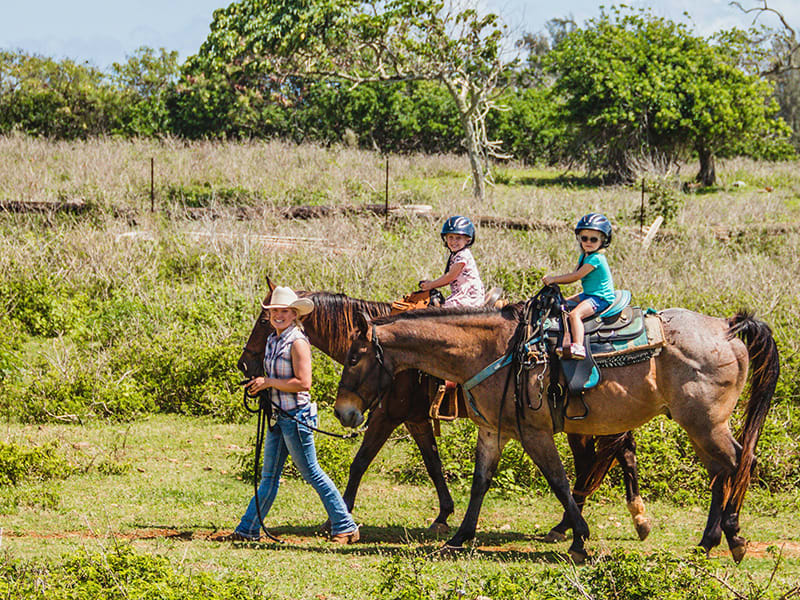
596 222
459 224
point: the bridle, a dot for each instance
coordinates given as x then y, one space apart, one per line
381 368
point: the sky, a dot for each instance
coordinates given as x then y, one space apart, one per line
106 31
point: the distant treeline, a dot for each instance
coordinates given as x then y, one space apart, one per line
545 116
149 95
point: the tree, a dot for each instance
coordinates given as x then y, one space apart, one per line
775 55
59 99
145 80
633 84
277 48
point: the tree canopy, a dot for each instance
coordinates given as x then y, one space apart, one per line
276 47
632 84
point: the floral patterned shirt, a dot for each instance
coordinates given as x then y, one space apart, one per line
467 288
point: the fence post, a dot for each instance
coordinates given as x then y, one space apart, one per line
152 187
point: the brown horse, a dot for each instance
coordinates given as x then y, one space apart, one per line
696 380
329 327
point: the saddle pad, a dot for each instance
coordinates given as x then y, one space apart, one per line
585 374
651 336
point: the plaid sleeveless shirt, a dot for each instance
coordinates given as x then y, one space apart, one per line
278 365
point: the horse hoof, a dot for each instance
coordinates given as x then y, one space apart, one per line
439 528
555 536
643 529
578 556
738 552
450 550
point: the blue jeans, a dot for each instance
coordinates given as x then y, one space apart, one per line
290 437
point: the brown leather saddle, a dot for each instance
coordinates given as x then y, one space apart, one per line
447 398
413 301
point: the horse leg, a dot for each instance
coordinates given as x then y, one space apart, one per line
584 455
718 450
541 447
426 441
487 456
730 523
379 430
626 457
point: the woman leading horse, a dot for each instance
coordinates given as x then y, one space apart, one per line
696 380
407 402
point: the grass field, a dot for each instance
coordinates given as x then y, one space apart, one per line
122 326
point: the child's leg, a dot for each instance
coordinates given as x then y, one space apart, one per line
576 316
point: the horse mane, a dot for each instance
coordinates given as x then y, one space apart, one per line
334 314
508 312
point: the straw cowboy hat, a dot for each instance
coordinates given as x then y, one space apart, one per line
284 297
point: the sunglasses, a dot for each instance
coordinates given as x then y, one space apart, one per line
586 238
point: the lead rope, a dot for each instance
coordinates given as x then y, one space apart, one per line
262 411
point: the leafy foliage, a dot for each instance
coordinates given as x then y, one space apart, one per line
39 463
117 574
621 575
634 84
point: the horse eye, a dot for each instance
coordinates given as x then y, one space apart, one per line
263 321
352 360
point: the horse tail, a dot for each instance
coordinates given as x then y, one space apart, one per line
607 448
765 363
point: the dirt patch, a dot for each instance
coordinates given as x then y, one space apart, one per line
788 548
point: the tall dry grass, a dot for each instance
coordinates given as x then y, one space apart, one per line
362 257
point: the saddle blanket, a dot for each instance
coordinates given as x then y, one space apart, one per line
651 338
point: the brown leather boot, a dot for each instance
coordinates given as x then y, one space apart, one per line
349 537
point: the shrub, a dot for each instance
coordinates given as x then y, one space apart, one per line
77 396
664 200
117 574
325 373
200 195
516 472
20 464
31 301
183 375
517 282
621 575
39 497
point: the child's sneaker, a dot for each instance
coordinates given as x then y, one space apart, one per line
577 351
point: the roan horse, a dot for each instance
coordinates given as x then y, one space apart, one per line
696 380
329 328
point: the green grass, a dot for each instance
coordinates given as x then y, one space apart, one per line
96 318
180 490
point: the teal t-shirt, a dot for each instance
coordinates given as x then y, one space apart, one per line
599 281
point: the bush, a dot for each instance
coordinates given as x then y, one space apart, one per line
516 472
39 497
186 376
20 464
32 302
77 396
621 575
117 574
517 283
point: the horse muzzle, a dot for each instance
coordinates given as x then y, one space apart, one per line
346 408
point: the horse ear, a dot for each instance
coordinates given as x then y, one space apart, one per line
270 284
362 323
